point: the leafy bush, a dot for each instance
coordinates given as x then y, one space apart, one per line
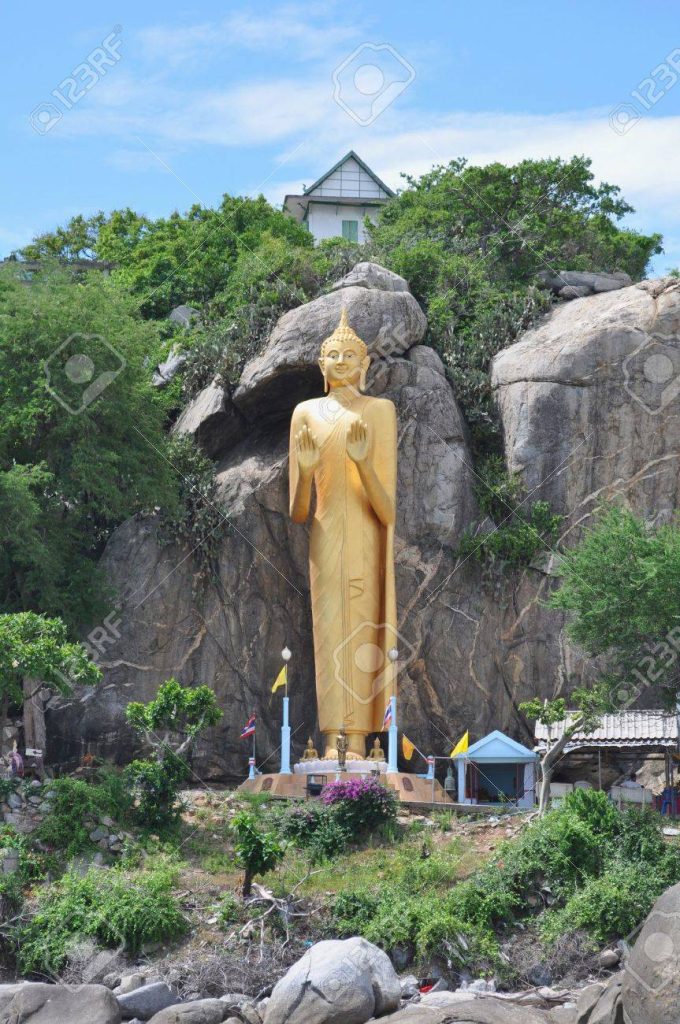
315 829
229 910
258 851
109 905
361 805
156 785
64 827
521 529
609 906
595 809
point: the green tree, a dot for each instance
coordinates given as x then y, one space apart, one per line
183 258
73 465
37 648
586 707
472 241
170 724
257 850
621 585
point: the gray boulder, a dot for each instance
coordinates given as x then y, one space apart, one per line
578 391
202 1011
147 1000
601 1003
183 315
651 985
474 1011
571 284
288 370
61 1004
211 419
336 982
372 275
7 994
165 371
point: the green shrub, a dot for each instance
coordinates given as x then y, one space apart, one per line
229 910
608 907
315 829
156 785
64 827
558 852
594 807
113 907
522 529
258 851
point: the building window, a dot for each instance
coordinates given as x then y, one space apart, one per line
350 230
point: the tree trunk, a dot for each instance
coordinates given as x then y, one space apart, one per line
4 714
35 732
550 759
247 883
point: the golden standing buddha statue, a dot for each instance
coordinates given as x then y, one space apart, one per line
344 447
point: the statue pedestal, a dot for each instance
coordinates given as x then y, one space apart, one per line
408 788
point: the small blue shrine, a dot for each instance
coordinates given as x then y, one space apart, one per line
497 770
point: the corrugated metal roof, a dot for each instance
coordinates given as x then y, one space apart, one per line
622 729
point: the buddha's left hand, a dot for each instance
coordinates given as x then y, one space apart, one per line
357 441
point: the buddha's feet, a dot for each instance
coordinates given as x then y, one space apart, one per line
332 755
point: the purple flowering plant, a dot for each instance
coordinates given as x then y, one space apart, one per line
360 804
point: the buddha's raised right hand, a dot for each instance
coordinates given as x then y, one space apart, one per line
307 450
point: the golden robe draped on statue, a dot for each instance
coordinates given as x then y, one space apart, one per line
351 564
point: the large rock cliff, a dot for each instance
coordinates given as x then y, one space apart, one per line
587 401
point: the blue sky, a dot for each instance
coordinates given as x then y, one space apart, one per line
176 103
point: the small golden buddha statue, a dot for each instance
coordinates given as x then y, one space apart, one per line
376 753
310 753
342 746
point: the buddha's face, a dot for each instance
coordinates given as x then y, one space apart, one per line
344 364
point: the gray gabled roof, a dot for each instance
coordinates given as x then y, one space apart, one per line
621 729
364 167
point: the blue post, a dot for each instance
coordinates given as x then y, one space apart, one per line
285 741
462 796
430 767
251 767
392 740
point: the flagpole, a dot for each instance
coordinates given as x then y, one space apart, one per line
393 730
251 771
285 727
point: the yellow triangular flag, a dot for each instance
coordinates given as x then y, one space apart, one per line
407 747
281 679
461 746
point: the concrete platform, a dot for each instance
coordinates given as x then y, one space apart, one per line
408 788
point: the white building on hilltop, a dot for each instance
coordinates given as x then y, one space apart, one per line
337 203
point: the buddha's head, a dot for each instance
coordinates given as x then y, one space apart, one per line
344 357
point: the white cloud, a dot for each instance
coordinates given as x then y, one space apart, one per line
304 31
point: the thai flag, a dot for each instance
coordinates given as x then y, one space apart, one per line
387 720
249 728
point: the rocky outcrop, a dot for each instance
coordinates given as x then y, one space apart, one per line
36 1003
212 420
287 372
475 1011
338 981
651 987
576 284
588 401
582 423
371 275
